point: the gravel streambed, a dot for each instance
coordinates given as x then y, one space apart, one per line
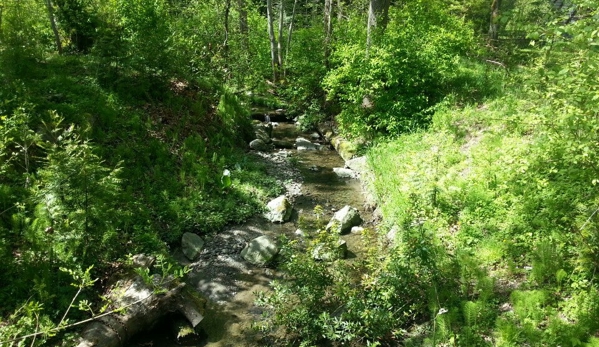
230 283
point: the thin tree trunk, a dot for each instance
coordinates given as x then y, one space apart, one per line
53 25
371 23
339 11
271 36
289 32
243 23
280 41
1 8
227 11
378 17
382 13
494 24
226 47
328 30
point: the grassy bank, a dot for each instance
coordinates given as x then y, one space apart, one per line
499 200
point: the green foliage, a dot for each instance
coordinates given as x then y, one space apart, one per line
305 71
162 274
132 137
333 300
390 89
79 21
32 324
120 144
76 197
24 34
508 189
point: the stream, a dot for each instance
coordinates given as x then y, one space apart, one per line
227 281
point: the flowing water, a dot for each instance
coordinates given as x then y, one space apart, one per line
231 284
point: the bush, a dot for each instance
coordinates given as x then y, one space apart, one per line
390 89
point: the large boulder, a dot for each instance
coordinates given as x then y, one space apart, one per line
327 253
259 145
344 173
192 245
305 145
279 210
260 250
344 220
359 164
144 309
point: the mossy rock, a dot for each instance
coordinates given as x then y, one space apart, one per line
346 149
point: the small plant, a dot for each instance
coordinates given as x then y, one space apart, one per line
164 273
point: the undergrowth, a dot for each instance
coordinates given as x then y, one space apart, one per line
513 216
92 171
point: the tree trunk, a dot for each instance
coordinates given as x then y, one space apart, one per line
378 17
289 32
280 41
328 30
243 23
273 44
226 42
369 26
1 8
381 11
494 24
339 11
53 25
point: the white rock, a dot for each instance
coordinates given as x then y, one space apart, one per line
344 219
359 164
344 173
357 230
260 250
259 145
324 253
278 210
392 234
305 145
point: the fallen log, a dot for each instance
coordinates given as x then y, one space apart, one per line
143 308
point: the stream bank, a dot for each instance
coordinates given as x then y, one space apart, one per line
226 280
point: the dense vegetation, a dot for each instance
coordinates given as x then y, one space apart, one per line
115 147
487 179
118 119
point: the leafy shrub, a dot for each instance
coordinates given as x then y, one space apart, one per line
390 90
332 300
